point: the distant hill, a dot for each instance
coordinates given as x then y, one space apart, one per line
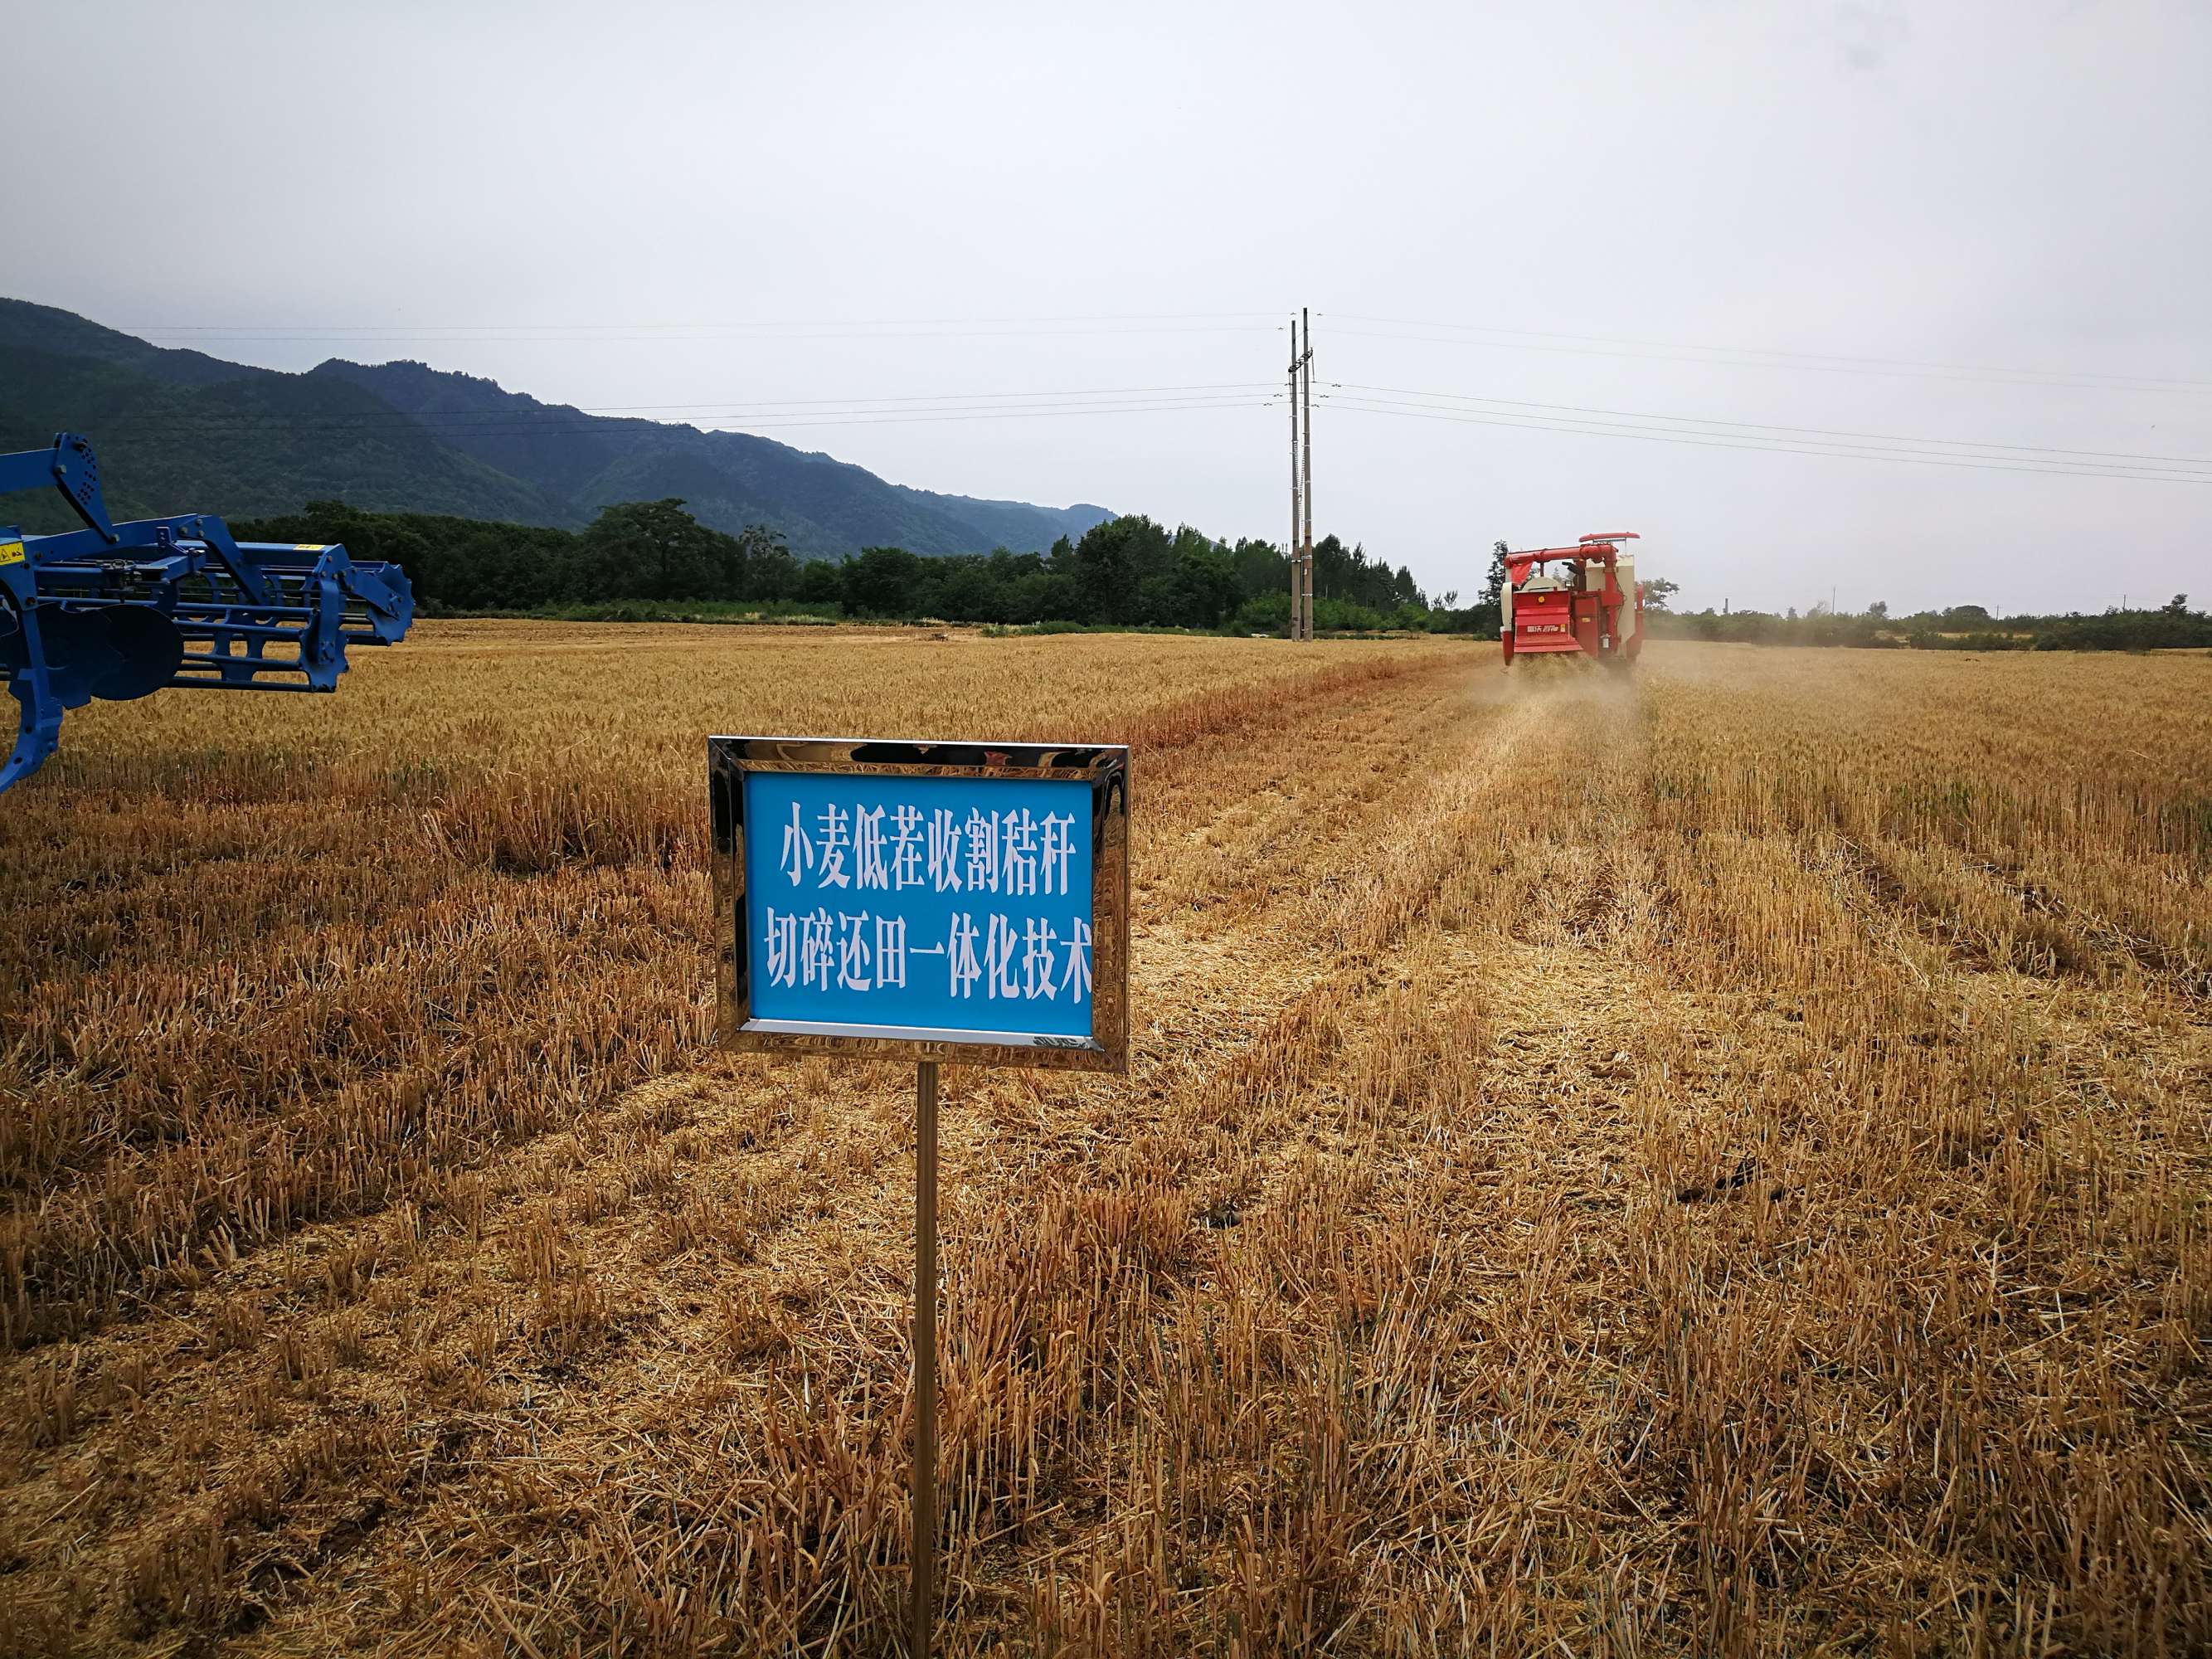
179 431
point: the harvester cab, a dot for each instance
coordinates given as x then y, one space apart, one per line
122 611
1582 598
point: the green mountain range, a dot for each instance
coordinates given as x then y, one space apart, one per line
182 432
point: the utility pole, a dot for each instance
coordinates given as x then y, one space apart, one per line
1306 558
1297 495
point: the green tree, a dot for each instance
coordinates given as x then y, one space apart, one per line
1264 613
968 591
656 550
1197 588
1113 562
1260 567
882 582
820 582
1129 571
769 569
1487 614
1493 585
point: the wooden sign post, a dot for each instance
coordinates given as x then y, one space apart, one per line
945 902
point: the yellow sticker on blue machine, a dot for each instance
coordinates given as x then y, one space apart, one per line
11 552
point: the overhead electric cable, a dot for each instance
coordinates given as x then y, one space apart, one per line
1770 351
321 330
515 335
478 418
1762 426
1597 429
553 420
1753 358
993 414
1078 392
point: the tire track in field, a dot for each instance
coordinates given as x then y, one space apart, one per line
1381 1148
1926 1087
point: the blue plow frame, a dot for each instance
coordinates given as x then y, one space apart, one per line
122 611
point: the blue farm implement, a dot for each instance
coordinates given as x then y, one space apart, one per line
122 611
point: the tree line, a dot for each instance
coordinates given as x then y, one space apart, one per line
2171 626
638 557
643 559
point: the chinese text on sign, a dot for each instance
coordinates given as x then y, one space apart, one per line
945 902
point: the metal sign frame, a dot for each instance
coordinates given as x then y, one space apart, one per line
1104 767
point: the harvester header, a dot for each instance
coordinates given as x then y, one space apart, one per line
122 611
1591 604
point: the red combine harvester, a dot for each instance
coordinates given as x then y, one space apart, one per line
1593 605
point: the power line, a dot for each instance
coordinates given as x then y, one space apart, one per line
1001 414
1078 392
523 426
513 336
554 418
462 420
1761 426
774 415
776 412
2132 381
1255 320
1753 357
325 330
1715 441
1598 429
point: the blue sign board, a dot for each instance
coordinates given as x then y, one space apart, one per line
953 903
910 897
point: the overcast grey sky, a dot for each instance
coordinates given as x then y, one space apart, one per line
714 206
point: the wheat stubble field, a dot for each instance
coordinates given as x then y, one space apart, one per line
1711 1164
